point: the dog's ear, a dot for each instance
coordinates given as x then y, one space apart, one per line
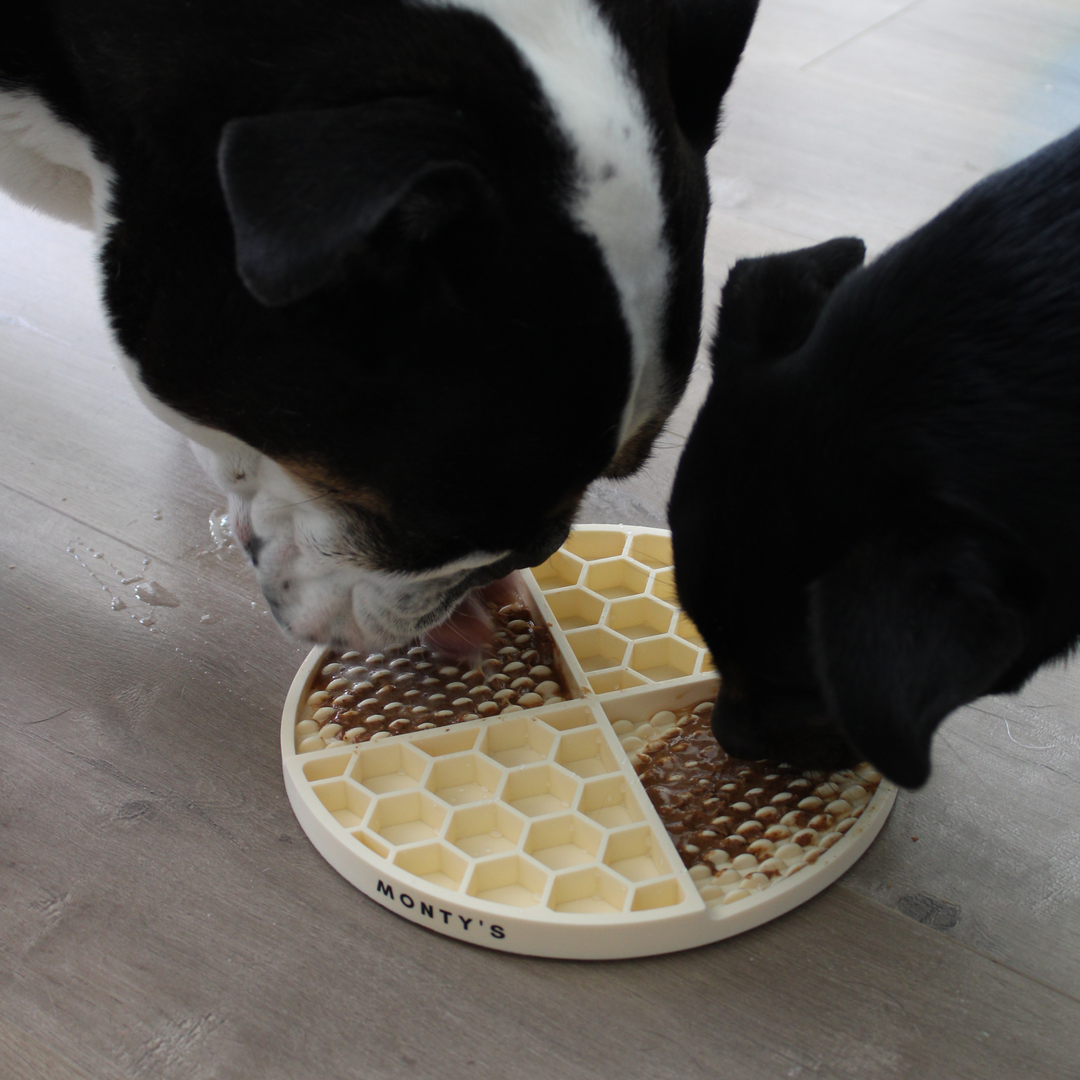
903 633
305 190
705 40
770 304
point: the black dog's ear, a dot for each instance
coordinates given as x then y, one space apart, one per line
770 304
304 190
705 40
905 633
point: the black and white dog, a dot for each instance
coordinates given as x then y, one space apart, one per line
877 515
409 273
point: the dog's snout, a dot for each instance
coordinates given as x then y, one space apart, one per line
734 729
542 547
794 728
535 552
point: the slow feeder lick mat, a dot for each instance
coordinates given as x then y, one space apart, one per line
563 796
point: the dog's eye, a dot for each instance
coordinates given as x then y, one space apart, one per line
239 475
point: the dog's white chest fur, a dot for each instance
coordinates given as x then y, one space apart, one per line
48 164
598 105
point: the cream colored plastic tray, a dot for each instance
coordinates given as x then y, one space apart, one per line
530 831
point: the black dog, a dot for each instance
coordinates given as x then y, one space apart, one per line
363 252
877 515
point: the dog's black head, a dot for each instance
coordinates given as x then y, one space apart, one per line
850 602
414 275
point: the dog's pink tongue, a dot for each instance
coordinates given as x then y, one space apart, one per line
469 626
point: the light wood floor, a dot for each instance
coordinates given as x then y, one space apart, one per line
161 914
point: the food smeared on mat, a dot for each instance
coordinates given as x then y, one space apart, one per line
739 825
358 698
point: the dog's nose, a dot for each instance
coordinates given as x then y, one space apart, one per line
791 728
737 739
543 546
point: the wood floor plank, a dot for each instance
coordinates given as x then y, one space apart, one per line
59 300
987 853
790 159
796 34
74 434
22 1057
988 55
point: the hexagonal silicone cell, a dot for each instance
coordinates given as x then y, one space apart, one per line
511 880
615 578
604 682
597 648
664 658
542 789
485 829
574 608
639 617
321 768
656 894
596 543
564 718
452 741
635 855
585 752
519 741
465 778
344 800
563 842
558 571
387 766
654 551
407 818
373 843
436 863
663 586
589 891
610 802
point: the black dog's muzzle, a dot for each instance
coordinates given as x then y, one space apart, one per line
793 728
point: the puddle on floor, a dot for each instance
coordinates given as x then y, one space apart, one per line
118 582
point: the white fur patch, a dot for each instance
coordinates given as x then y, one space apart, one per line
598 105
47 164
320 591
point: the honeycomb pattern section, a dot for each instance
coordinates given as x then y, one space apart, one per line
524 812
612 594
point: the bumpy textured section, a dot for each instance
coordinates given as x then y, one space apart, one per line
739 825
359 699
